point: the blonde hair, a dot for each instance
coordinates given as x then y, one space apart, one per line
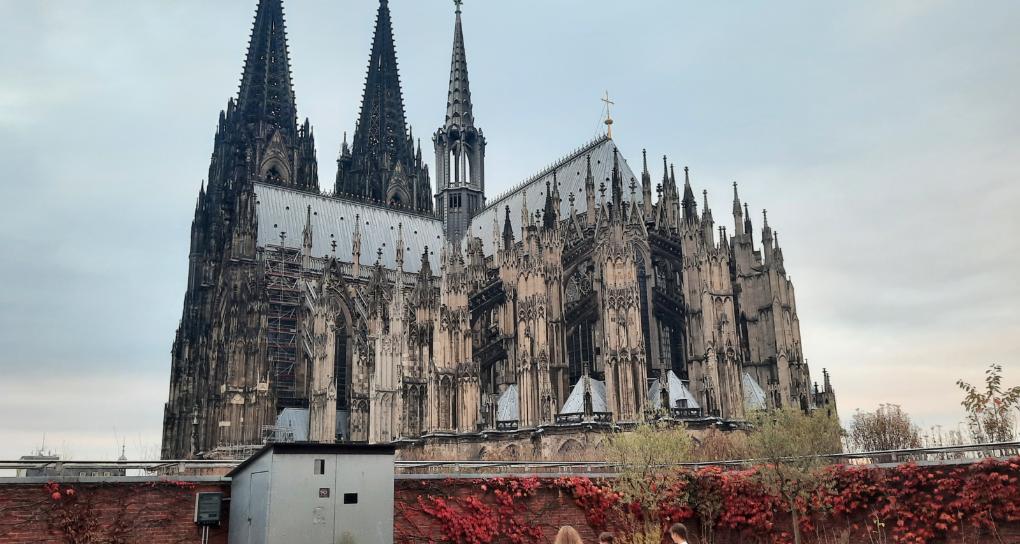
567 535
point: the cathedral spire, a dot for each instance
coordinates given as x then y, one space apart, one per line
460 147
551 205
766 235
458 100
382 142
665 177
707 221
589 192
382 127
258 137
306 233
266 94
356 246
525 214
747 220
667 216
508 232
738 213
400 247
646 186
425 270
617 182
689 204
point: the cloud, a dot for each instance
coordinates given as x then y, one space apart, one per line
85 414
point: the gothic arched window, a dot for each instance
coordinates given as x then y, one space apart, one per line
342 363
446 405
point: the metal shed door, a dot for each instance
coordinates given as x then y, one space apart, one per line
258 508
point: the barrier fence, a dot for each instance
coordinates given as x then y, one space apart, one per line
470 468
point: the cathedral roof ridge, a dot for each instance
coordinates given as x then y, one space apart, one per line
547 170
571 173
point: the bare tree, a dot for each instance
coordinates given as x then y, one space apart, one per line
887 428
990 411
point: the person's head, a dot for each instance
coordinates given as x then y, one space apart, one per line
607 538
567 535
678 533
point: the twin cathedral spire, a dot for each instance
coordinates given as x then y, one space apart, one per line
383 163
258 137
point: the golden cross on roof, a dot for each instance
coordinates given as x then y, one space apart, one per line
609 114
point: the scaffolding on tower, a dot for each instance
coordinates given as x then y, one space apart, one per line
283 267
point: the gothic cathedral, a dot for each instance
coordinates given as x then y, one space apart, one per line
586 298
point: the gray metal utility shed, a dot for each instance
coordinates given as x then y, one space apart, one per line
305 493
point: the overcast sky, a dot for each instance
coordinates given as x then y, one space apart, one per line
882 136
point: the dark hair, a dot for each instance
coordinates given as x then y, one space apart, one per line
607 537
679 530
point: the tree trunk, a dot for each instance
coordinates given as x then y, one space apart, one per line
796 521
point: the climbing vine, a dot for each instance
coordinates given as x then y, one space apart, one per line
100 513
907 504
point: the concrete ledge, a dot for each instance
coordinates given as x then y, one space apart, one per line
37 480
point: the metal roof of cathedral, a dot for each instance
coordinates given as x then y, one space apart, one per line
284 211
570 173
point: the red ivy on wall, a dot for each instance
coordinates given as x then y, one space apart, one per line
96 513
907 504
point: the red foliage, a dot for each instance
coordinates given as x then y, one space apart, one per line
920 504
907 504
596 499
494 511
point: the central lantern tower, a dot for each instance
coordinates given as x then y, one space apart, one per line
460 150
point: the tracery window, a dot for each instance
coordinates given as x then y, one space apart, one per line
341 364
643 293
580 351
671 350
446 403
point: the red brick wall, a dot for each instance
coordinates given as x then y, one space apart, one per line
153 513
549 508
161 513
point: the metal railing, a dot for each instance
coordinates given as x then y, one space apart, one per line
943 455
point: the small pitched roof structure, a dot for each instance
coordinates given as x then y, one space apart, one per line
677 392
575 401
507 408
754 395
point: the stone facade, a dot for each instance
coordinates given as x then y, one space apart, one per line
584 300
